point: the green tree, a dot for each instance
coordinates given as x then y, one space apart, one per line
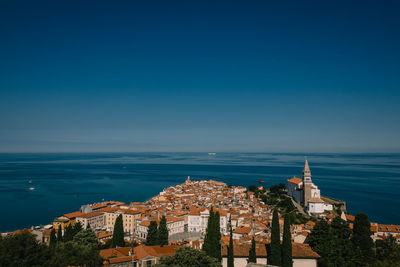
118 233
217 244
77 228
81 251
362 237
59 234
230 248
277 189
252 188
210 237
23 250
320 240
252 251
342 245
187 256
88 226
387 252
275 241
332 242
152 234
212 240
69 233
53 238
287 244
86 238
163 232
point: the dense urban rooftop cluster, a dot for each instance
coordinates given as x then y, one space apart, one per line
186 208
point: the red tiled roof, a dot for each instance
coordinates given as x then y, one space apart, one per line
90 214
350 217
242 230
104 235
298 250
142 251
389 228
295 180
73 215
114 252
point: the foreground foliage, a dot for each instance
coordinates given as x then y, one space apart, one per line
24 250
338 245
230 247
332 243
275 255
163 232
157 235
287 260
189 257
212 240
118 233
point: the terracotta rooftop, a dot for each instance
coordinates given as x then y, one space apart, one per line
388 228
73 215
350 217
298 251
156 251
295 180
90 214
242 230
114 252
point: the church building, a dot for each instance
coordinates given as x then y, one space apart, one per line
306 193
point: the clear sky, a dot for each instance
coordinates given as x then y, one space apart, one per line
262 76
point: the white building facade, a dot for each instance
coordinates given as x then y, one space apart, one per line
197 221
306 193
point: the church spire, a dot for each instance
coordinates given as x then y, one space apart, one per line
306 172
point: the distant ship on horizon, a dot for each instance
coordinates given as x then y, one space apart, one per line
212 154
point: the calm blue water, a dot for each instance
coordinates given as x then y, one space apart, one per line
369 183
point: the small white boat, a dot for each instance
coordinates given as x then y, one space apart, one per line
31 188
212 154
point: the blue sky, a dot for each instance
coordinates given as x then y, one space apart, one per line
262 76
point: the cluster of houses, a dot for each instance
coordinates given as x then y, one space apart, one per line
186 208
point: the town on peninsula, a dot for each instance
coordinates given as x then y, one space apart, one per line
230 225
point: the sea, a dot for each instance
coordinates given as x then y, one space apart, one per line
369 183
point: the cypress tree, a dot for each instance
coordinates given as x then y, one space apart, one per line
321 241
344 252
230 248
362 237
77 228
209 239
287 244
217 244
152 234
252 251
88 226
53 238
59 234
163 232
118 233
275 241
68 234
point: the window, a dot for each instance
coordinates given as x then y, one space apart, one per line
148 263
